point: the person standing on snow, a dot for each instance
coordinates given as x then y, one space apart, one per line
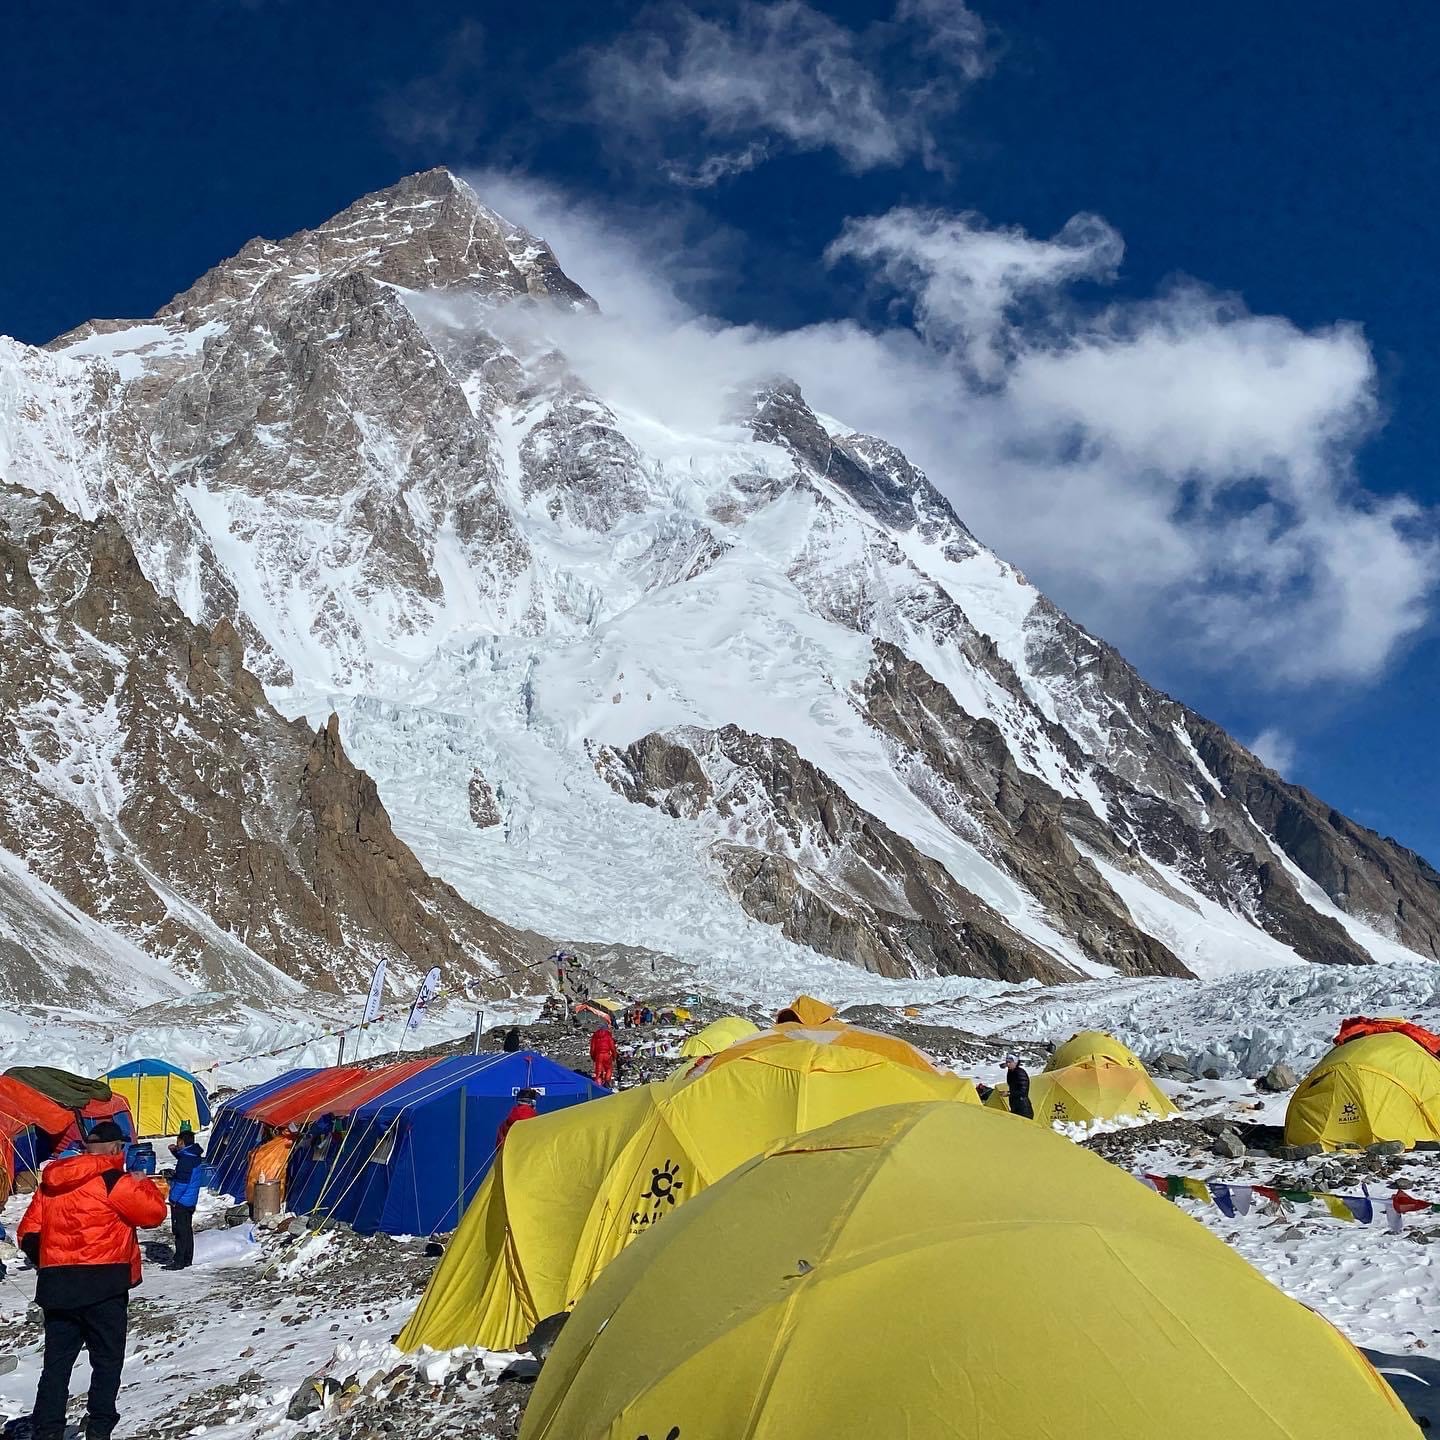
602 1055
184 1197
1018 1092
79 1232
522 1109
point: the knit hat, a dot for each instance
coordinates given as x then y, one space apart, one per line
106 1132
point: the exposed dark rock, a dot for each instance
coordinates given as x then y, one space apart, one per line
798 853
145 772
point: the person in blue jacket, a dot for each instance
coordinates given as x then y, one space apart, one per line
184 1196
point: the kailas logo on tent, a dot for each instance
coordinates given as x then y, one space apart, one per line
1058 1111
1349 1113
661 1192
1144 1107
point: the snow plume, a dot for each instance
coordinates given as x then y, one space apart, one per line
785 76
1177 472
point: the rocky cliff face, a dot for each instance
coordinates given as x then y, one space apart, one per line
147 780
753 696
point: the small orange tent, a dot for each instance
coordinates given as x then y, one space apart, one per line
806 1010
20 1109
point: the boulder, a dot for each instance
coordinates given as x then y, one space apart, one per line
1228 1145
1169 1060
1299 1152
1386 1147
1279 1078
1218 1125
314 1394
1210 1073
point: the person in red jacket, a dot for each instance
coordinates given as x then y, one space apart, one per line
79 1232
522 1109
602 1055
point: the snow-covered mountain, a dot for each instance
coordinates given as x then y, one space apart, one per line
752 697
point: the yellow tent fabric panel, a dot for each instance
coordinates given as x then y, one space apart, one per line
829 1032
1087 1044
873 1279
1093 1090
569 1191
1379 1087
159 1103
717 1035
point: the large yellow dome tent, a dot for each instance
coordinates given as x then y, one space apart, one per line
717 1035
569 1191
1377 1087
1087 1044
1098 1089
934 1272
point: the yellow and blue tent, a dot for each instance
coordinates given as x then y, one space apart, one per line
162 1096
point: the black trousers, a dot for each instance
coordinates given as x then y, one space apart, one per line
182 1227
100 1330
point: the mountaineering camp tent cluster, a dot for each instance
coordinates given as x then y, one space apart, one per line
163 1098
1381 1081
400 1148
570 1191
877 1278
1092 1078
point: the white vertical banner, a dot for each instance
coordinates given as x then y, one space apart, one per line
429 988
376 995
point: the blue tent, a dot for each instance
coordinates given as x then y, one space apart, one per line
410 1160
235 1134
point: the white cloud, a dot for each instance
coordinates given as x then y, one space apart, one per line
785 75
1274 748
1177 473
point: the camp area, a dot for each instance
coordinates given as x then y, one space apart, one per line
808 1221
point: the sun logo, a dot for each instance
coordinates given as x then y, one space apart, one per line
662 1192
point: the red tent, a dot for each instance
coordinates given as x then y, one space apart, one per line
372 1083
22 1109
307 1097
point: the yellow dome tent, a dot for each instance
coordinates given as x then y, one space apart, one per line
806 1010
572 1189
717 1035
934 1272
1377 1087
1086 1044
830 1032
1098 1089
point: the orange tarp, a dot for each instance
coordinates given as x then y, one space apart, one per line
1358 1025
307 1097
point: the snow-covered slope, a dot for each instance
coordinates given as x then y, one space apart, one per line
749 696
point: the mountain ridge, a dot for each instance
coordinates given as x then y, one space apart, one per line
521 595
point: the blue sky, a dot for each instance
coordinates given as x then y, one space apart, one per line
1202 415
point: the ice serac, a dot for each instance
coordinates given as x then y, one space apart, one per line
147 781
750 694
